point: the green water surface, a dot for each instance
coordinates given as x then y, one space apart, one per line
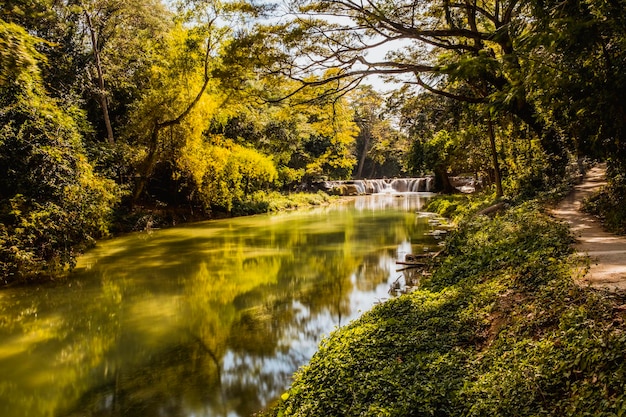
208 319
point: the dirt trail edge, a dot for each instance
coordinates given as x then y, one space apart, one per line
606 250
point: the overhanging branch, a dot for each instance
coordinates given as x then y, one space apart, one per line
458 97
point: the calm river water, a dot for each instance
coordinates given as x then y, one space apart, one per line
208 319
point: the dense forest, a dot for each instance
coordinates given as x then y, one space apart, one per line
112 108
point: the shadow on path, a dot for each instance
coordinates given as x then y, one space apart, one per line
606 250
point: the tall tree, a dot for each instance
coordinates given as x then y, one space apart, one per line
121 37
578 52
449 136
443 47
366 107
102 95
379 146
178 90
188 84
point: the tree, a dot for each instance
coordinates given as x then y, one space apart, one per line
327 134
439 46
225 173
52 205
102 95
121 37
184 93
449 135
378 144
179 91
438 154
494 155
310 133
18 54
578 51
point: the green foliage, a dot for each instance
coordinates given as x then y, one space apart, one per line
327 139
524 245
458 206
51 203
18 56
433 153
390 362
499 329
270 202
558 355
576 51
609 204
380 147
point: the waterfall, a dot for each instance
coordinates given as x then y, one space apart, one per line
381 186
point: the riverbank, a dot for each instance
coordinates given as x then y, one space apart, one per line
501 327
143 218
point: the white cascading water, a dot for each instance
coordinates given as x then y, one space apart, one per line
393 185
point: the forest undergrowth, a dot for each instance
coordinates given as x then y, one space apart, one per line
500 328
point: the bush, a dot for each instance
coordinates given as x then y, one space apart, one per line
224 175
522 243
52 205
458 206
269 202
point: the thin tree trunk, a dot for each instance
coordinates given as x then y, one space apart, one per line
102 96
147 167
494 156
366 144
443 180
148 164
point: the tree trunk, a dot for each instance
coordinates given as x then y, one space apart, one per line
102 96
148 164
366 144
548 137
494 156
443 183
146 168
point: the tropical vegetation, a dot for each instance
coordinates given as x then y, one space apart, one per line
110 108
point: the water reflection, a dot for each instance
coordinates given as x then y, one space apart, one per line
210 319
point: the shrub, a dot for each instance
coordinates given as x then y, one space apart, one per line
52 205
269 202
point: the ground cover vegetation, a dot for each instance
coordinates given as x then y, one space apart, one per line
185 110
499 328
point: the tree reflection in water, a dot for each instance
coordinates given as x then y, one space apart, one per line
210 319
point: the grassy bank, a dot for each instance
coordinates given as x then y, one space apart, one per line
271 202
499 329
161 216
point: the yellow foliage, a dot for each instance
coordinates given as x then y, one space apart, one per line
224 173
175 81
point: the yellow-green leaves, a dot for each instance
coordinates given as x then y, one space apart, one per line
225 173
18 56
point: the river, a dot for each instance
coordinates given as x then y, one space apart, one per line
206 319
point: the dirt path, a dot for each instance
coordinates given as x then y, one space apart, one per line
606 250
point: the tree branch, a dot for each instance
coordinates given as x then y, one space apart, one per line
434 90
